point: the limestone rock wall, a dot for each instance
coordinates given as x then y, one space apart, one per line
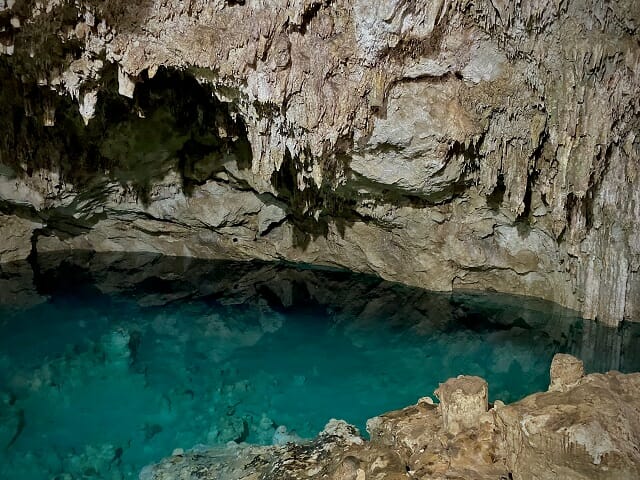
447 144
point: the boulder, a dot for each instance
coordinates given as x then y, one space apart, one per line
463 400
566 371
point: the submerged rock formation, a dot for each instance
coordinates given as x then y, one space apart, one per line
590 430
156 280
444 144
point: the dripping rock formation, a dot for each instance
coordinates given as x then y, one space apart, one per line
448 144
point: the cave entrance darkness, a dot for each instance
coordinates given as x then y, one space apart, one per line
173 123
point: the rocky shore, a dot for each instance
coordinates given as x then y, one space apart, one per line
450 145
582 428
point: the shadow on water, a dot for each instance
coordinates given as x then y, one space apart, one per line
361 301
127 356
153 279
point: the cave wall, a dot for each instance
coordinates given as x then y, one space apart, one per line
485 145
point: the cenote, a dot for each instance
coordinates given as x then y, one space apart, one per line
109 362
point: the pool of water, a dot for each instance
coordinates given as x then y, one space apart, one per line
110 362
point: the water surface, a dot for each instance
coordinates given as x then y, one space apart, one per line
109 362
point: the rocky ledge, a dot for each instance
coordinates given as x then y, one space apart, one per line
582 428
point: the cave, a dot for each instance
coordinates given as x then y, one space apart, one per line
319 239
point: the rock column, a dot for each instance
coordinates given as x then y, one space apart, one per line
566 370
462 402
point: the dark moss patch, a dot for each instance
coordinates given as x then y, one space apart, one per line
172 123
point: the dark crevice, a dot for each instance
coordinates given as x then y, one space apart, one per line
309 14
496 197
525 216
311 209
303 203
573 208
470 152
27 212
273 226
595 180
32 258
588 209
173 123
532 177
411 47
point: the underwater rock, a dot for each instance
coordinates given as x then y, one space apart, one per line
151 430
116 347
93 460
11 421
282 436
228 429
589 431
264 430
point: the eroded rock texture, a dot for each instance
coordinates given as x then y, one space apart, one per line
445 144
588 431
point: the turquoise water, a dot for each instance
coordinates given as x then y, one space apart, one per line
108 363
